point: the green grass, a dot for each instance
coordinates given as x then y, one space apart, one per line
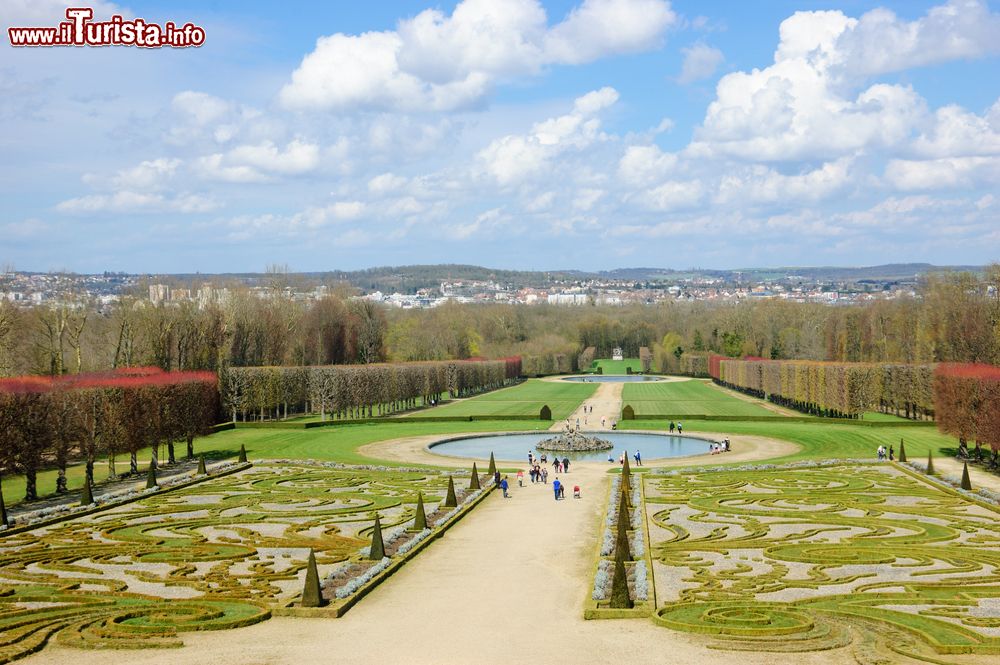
876 417
687 398
337 444
617 366
821 440
563 397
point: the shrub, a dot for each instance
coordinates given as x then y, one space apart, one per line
312 596
377 550
474 481
87 495
450 501
420 517
545 413
966 481
628 413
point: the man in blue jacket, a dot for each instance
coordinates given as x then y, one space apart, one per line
556 486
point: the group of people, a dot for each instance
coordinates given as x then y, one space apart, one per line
676 426
883 455
717 447
539 473
637 456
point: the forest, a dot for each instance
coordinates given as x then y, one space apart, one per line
955 317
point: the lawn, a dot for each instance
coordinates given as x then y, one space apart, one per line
687 399
335 443
824 440
563 397
617 366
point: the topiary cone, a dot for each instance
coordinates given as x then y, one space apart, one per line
151 475
474 483
312 594
420 517
449 500
377 551
966 481
620 598
243 453
930 464
493 465
622 547
201 466
87 494
902 451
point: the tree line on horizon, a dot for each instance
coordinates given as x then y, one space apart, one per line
954 318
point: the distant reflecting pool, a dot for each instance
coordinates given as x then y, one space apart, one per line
611 378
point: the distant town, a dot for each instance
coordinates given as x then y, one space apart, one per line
432 286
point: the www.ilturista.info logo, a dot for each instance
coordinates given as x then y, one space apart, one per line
81 30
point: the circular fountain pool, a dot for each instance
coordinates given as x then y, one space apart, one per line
516 446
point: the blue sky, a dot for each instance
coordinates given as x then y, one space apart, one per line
584 134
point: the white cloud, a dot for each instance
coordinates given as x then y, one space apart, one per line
438 62
954 132
641 165
149 175
134 202
513 158
673 195
385 183
305 221
586 198
762 184
947 173
598 28
806 104
257 163
700 62
879 42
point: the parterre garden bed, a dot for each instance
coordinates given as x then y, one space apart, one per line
819 556
221 554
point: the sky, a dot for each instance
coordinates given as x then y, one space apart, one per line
578 134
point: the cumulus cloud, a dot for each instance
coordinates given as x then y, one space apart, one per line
947 173
257 163
808 105
700 62
513 158
438 62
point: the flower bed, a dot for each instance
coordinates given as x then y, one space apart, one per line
638 576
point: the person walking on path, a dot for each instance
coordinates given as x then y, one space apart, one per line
892 453
565 465
604 419
545 475
556 486
496 477
680 428
638 458
520 478
672 427
503 486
